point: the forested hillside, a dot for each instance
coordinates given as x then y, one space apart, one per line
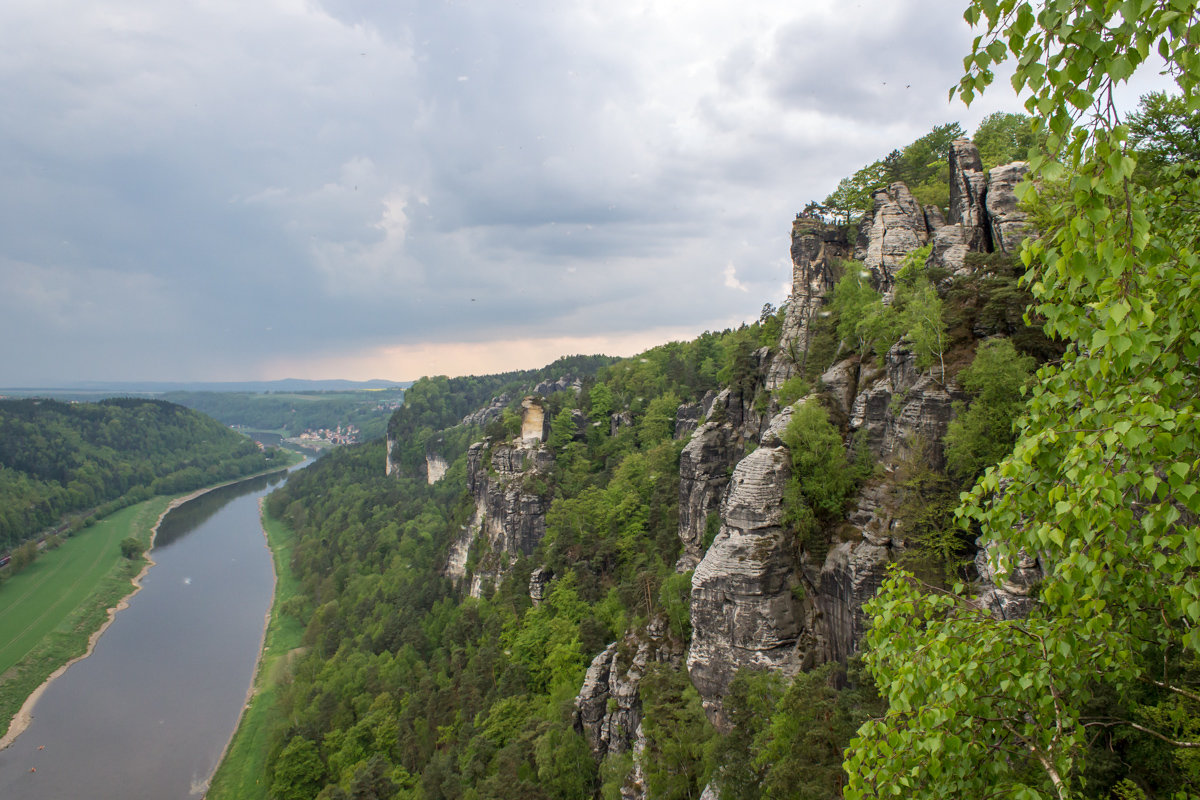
58 457
472 696
295 412
719 568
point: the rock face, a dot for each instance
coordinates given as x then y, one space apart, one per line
745 612
901 408
816 247
391 466
951 243
689 415
563 384
897 228
539 579
491 411
758 598
435 468
608 709
967 183
705 466
1008 224
510 511
534 425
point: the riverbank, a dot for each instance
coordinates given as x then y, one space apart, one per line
241 772
67 599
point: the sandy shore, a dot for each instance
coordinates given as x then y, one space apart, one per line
25 716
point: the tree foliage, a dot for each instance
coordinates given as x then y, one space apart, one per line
1102 481
981 434
921 165
57 458
1003 137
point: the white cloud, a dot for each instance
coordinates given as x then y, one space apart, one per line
731 280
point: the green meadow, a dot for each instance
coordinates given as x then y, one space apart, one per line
49 611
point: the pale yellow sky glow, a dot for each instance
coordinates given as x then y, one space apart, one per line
409 362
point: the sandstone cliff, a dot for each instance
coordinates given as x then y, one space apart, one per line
507 483
608 709
758 599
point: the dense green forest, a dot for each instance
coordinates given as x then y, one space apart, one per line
436 403
57 458
295 412
410 688
407 686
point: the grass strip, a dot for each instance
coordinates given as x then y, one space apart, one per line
241 775
51 609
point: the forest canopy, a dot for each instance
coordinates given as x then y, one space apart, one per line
59 457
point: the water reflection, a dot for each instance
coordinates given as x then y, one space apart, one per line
148 714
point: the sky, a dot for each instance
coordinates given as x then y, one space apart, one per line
221 190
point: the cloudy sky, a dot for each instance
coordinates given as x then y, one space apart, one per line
223 190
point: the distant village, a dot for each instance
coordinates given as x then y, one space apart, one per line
323 437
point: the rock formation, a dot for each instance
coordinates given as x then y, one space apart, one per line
1008 224
897 228
435 467
816 248
608 709
745 610
967 184
760 600
706 464
510 510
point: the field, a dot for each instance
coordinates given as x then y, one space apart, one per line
49 611
241 774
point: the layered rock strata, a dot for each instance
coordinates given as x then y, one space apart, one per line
744 603
608 709
897 228
816 250
510 516
1008 224
705 465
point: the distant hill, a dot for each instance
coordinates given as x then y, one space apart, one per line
82 389
57 458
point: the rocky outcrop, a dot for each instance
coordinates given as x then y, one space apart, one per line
705 466
1008 224
539 579
853 570
608 709
759 597
951 244
816 249
744 603
435 467
967 184
897 228
491 411
563 384
510 510
391 465
689 415
535 426
902 409
620 419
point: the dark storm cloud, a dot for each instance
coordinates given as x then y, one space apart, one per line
212 190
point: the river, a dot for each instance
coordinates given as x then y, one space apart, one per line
148 714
